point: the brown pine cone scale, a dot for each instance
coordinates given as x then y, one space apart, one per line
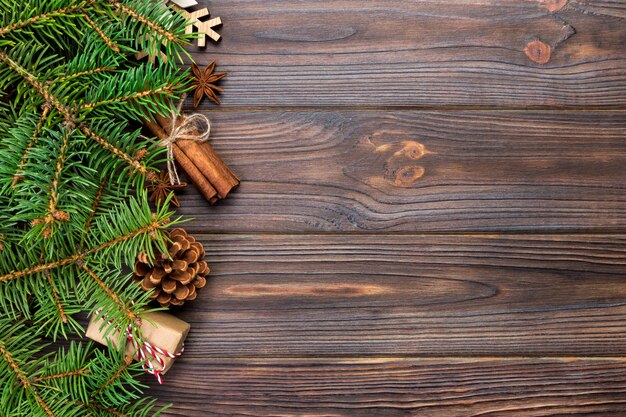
174 276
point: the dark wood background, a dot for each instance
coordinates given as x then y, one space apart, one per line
430 223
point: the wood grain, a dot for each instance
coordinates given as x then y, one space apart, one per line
403 244
419 53
602 8
408 171
396 387
410 295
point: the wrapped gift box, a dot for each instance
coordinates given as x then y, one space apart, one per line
161 330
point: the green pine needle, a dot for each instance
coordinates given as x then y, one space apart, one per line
72 175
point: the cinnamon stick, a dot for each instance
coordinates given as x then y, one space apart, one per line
195 153
205 159
193 173
223 169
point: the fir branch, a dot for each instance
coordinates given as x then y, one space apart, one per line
69 89
135 91
107 40
130 315
53 213
117 374
42 267
35 137
135 96
38 86
68 371
94 58
93 71
54 302
70 117
156 225
146 21
44 16
138 166
57 173
94 207
24 381
64 383
79 372
55 295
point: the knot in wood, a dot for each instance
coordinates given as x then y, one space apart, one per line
554 5
407 175
538 52
414 150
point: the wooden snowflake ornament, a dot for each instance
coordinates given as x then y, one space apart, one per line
205 28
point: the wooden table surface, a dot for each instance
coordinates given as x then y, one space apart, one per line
432 216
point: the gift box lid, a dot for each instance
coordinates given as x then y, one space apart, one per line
164 330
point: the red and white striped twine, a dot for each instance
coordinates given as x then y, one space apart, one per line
147 353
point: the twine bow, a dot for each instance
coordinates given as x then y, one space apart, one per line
194 127
147 353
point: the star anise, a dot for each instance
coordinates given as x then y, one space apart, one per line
204 81
161 187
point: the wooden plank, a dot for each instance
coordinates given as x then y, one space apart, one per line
420 53
410 295
610 8
396 387
399 171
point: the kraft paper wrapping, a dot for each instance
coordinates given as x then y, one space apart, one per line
159 329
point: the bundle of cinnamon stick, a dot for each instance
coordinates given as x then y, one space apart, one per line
203 167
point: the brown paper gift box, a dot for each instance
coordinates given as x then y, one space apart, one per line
159 329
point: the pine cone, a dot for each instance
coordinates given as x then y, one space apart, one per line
175 276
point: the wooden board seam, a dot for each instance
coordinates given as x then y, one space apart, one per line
188 107
368 359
